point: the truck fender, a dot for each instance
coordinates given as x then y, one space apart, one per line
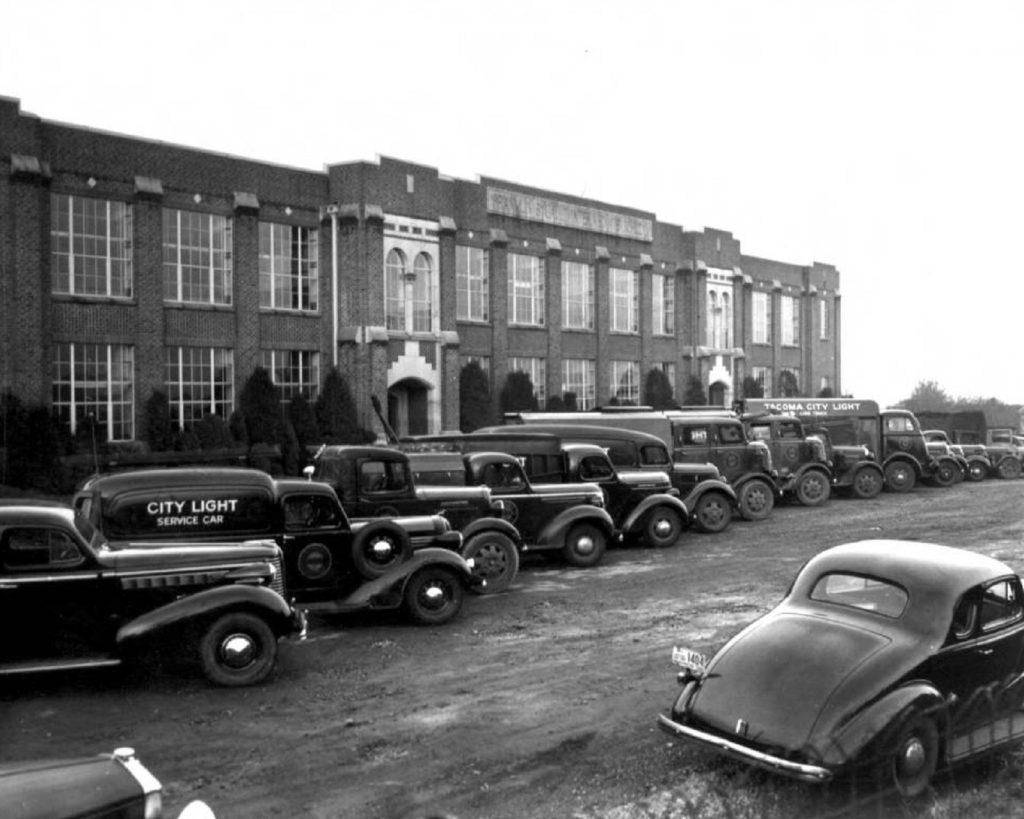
868 725
704 487
493 525
747 477
395 578
205 605
553 535
635 520
907 459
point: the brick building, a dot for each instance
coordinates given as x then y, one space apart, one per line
129 265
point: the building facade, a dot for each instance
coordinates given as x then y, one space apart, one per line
129 266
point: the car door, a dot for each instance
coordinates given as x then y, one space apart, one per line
317 546
691 442
53 602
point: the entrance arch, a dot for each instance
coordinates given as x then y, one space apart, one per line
717 394
408 402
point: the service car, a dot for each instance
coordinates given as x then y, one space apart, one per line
895 657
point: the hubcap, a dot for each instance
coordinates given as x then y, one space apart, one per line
585 545
912 760
433 596
238 650
663 528
382 551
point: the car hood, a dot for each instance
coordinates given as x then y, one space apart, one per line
788 680
645 479
164 556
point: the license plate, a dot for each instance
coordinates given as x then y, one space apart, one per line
690 660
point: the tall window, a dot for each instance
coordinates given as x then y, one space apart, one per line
789 321
472 288
625 293
578 379
669 368
762 307
577 296
294 372
525 290
483 360
91 246
824 322
789 382
763 376
288 267
407 293
537 369
97 382
663 305
626 382
719 327
197 257
825 384
200 381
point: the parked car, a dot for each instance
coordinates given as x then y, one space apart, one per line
331 564
106 786
69 599
973 458
377 481
892 656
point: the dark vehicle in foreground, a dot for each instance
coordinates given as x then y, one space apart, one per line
69 599
710 501
331 564
892 657
377 481
568 519
106 786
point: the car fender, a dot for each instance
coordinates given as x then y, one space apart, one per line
636 518
907 459
747 477
868 724
396 578
703 488
491 525
209 603
793 477
553 534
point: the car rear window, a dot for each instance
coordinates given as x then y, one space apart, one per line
861 592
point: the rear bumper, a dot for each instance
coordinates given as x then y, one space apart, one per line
796 770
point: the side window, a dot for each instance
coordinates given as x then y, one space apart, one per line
965 618
503 476
761 433
692 436
1000 605
38 548
789 430
595 469
652 455
383 476
730 434
620 453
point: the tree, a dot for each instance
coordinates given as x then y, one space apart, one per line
695 394
826 392
303 421
554 404
752 387
569 399
928 396
789 387
336 413
475 408
158 431
517 394
260 404
658 390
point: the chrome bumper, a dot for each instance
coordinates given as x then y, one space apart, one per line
797 770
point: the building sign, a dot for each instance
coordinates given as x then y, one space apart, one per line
532 208
844 407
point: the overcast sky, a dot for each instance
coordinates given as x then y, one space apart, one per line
886 138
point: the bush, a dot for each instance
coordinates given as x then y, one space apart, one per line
336 413
260 404
517 394
157 430
695 394
475 407
212 432
658 390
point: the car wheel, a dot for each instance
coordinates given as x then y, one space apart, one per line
911 760
584 545
237 649
756 500
663 527
900 477
713 512
813 489
379 547
946 473
867 483
495 559
1009 468
976 471
433 596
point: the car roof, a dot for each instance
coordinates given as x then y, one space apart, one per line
178 477
934 576
566 428
34 511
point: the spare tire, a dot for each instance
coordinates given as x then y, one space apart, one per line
379 547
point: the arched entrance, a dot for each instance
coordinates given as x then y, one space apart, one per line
407 406
717 393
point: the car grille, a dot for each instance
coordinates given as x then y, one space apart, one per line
277 584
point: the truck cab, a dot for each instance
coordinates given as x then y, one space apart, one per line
805 470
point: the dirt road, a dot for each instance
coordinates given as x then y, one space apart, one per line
540 702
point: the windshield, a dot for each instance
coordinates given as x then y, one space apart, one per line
861 592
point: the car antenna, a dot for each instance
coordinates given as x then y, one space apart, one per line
388 430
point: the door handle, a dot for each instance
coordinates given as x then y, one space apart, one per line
985 651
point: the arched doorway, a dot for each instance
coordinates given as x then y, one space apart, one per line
717 393
407 406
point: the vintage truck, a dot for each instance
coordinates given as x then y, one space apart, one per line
70 599
377 481
331 564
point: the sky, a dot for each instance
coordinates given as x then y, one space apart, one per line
885 137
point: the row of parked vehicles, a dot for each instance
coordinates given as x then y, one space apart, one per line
219 563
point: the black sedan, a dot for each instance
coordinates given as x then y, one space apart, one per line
889 656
